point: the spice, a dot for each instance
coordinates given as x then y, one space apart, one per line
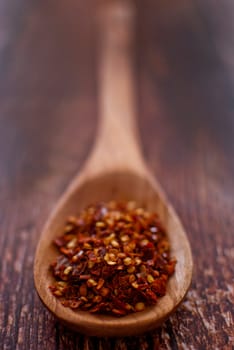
114 259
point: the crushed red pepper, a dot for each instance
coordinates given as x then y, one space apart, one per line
115 259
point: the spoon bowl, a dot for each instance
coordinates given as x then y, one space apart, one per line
115 171
120 186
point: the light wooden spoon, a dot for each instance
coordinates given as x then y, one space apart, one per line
115 170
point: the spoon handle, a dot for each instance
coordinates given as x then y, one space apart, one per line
117 138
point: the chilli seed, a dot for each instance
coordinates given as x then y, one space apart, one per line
110 261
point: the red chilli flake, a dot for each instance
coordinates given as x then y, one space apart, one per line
115 259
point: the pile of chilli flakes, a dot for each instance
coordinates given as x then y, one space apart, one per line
114 259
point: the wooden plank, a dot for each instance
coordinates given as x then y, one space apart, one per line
48 113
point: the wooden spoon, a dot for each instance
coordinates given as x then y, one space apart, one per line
115 170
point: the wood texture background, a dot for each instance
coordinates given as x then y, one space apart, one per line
48 117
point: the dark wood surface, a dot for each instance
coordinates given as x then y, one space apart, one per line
48 117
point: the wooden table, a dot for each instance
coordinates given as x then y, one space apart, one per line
48 114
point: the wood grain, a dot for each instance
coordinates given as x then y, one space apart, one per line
48 108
